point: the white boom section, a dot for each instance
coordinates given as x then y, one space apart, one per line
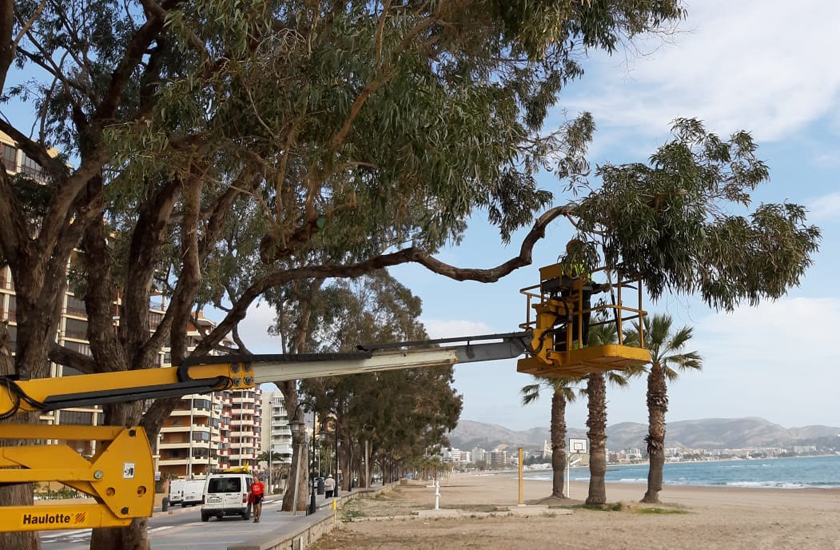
387 359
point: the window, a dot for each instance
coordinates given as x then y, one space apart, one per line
9 157
69 371
154 320
31 168
12 309
76 329
224 485
199 437
76 307
202 404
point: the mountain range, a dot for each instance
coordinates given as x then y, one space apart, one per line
709 433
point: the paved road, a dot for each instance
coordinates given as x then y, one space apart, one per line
184 530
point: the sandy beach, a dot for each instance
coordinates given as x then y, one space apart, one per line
690 517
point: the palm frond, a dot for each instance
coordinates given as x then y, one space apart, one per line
530 393
684 361
679 339
617 378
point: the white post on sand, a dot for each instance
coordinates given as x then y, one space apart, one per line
568 477
567 489
521 478
437 495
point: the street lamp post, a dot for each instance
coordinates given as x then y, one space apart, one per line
312 504
337 484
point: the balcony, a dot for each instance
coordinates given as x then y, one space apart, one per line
181 429
195 412
174 445
174 461
75 312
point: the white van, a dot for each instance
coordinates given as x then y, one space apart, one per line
176 491
226 495
193 492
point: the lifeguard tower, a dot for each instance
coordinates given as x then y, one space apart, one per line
555 317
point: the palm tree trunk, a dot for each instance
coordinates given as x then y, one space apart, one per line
597 424
558 442
657 402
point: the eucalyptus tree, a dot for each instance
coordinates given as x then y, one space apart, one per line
668 359
404 415
596 395
563 393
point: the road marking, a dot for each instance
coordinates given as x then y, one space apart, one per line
84 535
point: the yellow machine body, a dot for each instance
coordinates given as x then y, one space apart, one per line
548 309
120 477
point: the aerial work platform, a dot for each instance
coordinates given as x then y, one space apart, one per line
559 310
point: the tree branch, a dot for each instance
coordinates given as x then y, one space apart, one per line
99 295
148 236
240 308
13 230
7 45
74 359
34 150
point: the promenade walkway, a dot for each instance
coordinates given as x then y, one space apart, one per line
182 528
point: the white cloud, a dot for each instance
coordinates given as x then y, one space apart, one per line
453 328
254 329
825 207
776 361
756 64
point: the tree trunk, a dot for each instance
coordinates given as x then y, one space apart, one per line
597 424
21 493
299 455
657 402
136 535
558 443
37 325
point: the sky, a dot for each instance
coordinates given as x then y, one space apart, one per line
765 66
757 65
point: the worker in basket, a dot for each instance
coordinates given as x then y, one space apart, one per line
581 308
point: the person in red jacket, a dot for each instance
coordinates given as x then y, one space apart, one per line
257 491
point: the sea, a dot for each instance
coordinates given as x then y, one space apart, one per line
821 472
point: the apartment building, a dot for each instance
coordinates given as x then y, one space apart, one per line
204 432
277 434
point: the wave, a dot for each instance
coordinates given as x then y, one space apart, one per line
767 484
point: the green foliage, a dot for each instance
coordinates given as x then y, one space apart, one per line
614 507
403 413
666 345
669 222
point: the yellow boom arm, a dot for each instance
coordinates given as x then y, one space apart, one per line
120 477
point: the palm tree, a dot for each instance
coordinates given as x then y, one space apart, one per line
563 393
666 359
596 392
